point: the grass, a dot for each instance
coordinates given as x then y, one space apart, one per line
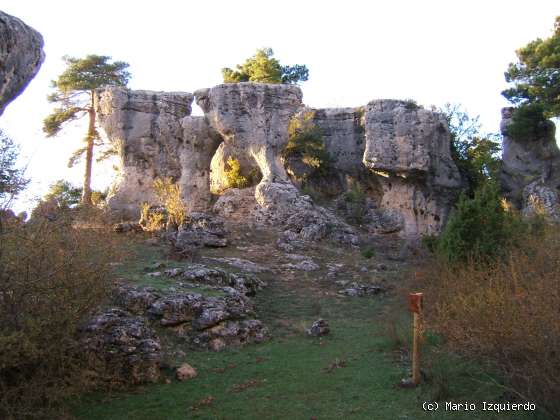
352 373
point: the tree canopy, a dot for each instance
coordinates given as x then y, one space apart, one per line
264 68
536 86
74 94
475 153
536 76
12 180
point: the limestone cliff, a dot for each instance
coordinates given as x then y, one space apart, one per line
21 56
408 147
155 137
398 151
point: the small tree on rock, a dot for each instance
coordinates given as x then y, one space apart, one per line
264 68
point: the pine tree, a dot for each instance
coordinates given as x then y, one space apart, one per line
75 95
264 68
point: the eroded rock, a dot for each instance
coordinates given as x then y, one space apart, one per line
21 56
408 148
530 174
156 137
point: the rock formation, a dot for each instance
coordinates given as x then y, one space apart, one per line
409 148
530 174
397 152
21 56
156 137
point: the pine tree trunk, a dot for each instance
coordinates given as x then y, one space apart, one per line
86 195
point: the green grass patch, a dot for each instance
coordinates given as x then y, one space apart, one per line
351 373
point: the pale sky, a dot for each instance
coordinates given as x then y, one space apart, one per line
430 51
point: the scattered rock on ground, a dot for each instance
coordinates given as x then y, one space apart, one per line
359 289
185 372
319 328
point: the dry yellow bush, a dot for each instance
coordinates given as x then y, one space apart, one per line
169 193
506 313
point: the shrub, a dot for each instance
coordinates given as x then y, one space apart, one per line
169 193
480 228
355 199
504 313
305 142
368 252
52 276
233 174
528 123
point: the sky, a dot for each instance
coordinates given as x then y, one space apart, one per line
430 51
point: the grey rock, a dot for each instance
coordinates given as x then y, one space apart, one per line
123 345
408 148
319 328
304 265
21 56
156 137
360 289
530 169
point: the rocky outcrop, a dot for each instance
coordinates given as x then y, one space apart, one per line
123 347
155 136
253 117
395 153
21 56
530 174
409 149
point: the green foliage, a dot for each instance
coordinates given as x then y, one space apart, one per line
355 199
480 228
528 122
536 75
368 252
233 174
74 95
12 181
305 142
476 154
74 87
264 68
64 194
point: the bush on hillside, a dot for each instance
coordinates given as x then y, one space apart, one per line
53 274
504 313
481 228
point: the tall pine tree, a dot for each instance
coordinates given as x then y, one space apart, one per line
75 95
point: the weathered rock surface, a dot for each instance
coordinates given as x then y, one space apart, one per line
200 230
205 320
253 117
396 152
120 344
530 174
21 56
408 147
156 137
361 289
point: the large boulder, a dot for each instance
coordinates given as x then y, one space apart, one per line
530 174
408 147
156 137
21 56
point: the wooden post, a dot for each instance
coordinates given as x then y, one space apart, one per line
415 303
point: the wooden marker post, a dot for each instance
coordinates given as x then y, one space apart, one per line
415 304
